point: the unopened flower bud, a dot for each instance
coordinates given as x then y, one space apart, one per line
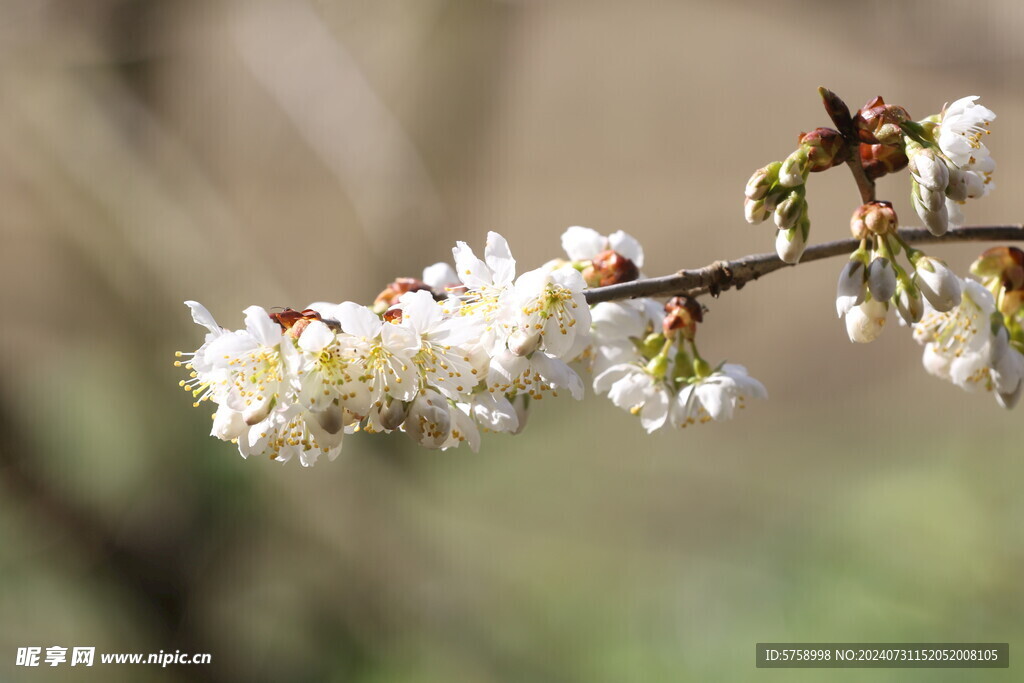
790 244
873 218
864 323
389 295
793 171
834 105
929 171
824 148
610 268
930 207
878 122
880 160
909 303
682 313
956 188
881 279
762 180
789 210
937 283
755 211
851 288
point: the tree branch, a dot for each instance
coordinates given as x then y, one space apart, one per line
722 275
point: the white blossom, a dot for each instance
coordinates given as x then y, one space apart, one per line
960 130
549 311
965 347
583 244
632 388
717 396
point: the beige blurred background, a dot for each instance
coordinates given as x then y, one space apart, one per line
283 152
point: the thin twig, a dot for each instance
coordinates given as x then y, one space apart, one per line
722 275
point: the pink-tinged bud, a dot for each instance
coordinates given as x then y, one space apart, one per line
877 122
610 268
873 218
825 148
389 295
937 283
682 313
881 160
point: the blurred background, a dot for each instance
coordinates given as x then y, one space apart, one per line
279 153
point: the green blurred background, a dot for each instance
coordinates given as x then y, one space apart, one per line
283 152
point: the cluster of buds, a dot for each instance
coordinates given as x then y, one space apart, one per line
874 280
779 189
442 358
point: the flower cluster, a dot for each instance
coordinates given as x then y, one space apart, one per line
465 349
949 163
979 344
873 280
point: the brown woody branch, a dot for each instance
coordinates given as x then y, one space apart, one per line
722 275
